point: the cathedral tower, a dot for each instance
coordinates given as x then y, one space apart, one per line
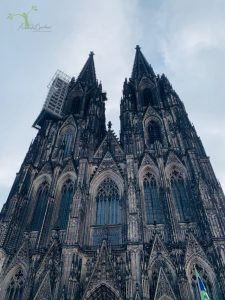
92 217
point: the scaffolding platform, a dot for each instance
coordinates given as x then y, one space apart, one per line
54 102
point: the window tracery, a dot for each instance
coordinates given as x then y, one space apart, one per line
16 286
108 210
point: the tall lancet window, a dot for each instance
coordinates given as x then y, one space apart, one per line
66 199
68 142
180 196
16 286
40 208
154 212
154 132
108 209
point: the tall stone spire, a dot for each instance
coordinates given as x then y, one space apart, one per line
141 66
87 74
83 91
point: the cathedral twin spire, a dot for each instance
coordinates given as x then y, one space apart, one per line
140 68
86 84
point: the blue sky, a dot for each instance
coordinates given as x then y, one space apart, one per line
183 39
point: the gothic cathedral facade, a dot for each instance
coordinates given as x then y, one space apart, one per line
93 216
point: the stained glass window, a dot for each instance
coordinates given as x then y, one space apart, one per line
154 212
204 277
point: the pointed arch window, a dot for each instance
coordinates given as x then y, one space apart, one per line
154 132
148 97
16 286
194 283
154 212
67 142
180 196
40 208
108 209
65 202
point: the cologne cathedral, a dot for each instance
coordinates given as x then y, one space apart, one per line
93 216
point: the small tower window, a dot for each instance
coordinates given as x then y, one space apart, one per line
154 132
40 208
154 212
148 97
180 196
108 210
16 286
66 199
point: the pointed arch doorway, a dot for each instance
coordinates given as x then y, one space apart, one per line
103 293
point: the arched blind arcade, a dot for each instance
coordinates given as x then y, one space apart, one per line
108 209
154 132
180 196
154 212
16 286
40 208
66 199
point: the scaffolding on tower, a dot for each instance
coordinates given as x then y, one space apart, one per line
54 102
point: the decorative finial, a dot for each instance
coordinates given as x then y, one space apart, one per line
91 53
109 125
138 48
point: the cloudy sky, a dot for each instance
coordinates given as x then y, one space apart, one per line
183 39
